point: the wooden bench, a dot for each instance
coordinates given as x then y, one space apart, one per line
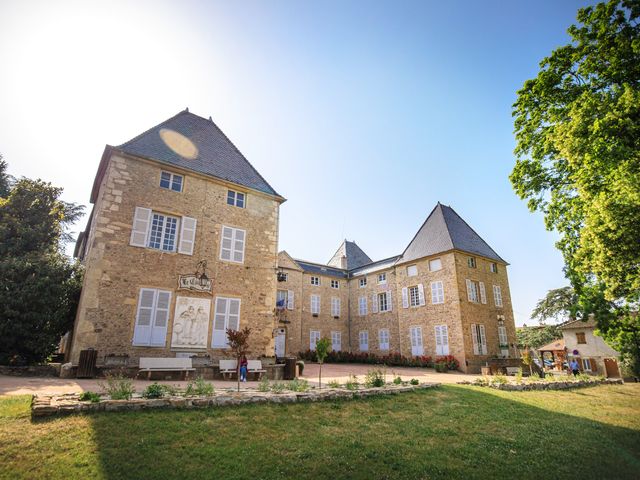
255 366
155 364
512 370
228 367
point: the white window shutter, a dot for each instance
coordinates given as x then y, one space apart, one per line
444 336
421 294
290 300
161 319
374 303
469 287
483 293
405 298
187 235
389 301
219 336
144 317
140 228
474 337
483 341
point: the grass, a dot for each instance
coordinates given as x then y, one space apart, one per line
451 432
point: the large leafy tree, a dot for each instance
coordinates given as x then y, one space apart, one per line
536 337
39 285
556 304
577 127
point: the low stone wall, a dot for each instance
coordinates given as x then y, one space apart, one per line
52 405
519 387
52 370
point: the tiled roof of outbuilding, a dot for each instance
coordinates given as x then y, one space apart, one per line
445 230
214 153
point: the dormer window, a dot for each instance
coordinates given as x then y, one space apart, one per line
171 181
235 199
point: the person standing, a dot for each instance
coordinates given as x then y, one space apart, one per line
243 368
575 367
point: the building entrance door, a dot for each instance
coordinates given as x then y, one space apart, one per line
611 367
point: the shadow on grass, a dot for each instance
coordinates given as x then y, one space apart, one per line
451 432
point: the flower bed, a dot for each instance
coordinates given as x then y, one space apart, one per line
54 405
392 360
501 383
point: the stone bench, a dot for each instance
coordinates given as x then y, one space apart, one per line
228 367
154 364
255 366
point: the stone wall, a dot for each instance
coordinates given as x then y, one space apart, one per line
115 271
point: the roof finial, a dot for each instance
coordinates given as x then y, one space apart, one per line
186 109
210 119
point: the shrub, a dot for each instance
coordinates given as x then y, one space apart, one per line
534 378
264 385
333 384
154 390
499 380
414 381
199 387
397 381
118 387
450 361
441 367
278 387
298 385
374 378
519 376
481 381
392 359
352 383
88 396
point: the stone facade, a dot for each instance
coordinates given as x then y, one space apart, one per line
116 271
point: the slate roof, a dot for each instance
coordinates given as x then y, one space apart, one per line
445 230
374 266
310 267
216 155
354 254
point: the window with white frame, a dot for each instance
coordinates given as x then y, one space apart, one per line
235 199
587 365
232 245
497 295
479 339
437 292
283 277
417 348
226 316
171 181
163 232
335 306
152 317
494 267
472 291
362 306
315 281
335 284
383 305
503 340
435 265
363 282
315 304
414 296
412 270
383 339
382 278
364 341
442 340
471 261
160 231
314 336
336 341
285 299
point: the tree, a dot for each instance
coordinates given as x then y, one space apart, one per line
556 304
238 341
536 337
577 127
322 350
40 286
5 179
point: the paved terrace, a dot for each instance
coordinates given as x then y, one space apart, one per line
340 372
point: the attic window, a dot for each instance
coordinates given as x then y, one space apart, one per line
494 267
171 181
471 262
235 199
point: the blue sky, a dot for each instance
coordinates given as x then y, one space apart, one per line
362 114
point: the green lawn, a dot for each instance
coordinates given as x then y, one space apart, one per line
451 432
